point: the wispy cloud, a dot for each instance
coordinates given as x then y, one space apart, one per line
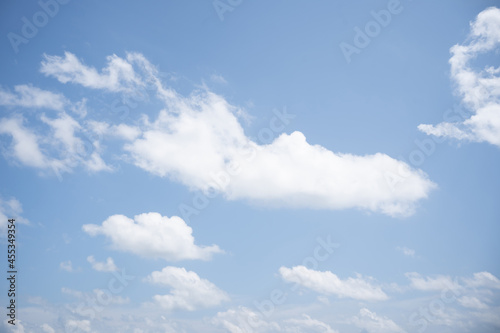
27 96
406 251
330 284
479 90
373 323
107 266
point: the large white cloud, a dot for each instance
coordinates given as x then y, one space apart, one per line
198 140
152 235
330 284
479 90
188 290
202 144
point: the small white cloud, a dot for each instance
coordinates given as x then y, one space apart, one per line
80 108
108 266
66 266
126 132
406 251
25 147
218 78
479 90
242 320
438 283
152 235
188 290
121 131
96 295
28 96
483 279
118 76
308 325
472 302
10 209
330 284
47 328
78 325
373 323
323 299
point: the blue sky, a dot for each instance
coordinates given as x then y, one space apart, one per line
237 166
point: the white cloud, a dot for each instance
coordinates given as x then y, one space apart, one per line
243 320
99 296
483 279
474 293
28 96
438 283
212 151
152 235
17 328
373 323
472 302
207 140
64 128
59 149
25 147
47 328
78 326
218 79
328 283
119 75
188 290
122 131
108 266
66 266
307 325
406 251
479 90
125 132
10 209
